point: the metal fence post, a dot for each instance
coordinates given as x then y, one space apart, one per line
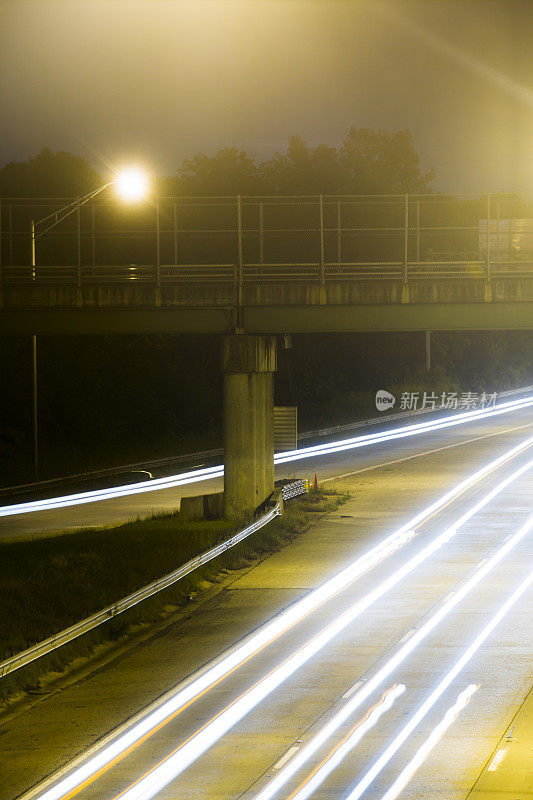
339 240
239 245
406 239
35 409
261 239
322 269
32 245
158 244
78 237
10 223
488 239
498 243
175 233
93 237
418 230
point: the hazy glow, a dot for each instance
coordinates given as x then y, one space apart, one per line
132 184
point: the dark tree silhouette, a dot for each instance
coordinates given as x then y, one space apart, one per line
48 174
367 161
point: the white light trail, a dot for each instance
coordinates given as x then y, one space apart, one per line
349 742
399 433
386 670
433 739
209 473
112 492
419 715
253 644
188 752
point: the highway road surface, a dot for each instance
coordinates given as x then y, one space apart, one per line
384 653
121 509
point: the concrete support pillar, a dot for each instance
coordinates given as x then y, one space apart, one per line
248 364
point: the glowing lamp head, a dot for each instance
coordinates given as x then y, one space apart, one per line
132 184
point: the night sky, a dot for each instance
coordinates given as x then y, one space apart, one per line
155 81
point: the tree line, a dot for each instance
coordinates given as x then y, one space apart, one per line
366 162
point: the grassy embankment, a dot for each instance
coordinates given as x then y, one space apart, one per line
51 583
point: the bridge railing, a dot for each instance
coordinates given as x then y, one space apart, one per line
307 272
265 238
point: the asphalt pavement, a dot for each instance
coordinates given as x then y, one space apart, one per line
439 585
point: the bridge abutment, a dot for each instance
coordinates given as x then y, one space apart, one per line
248 365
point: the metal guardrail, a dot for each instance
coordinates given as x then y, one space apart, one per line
249 273
69 634
294 489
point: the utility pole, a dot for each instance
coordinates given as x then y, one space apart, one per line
34 371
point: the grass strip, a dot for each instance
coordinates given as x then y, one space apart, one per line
48 584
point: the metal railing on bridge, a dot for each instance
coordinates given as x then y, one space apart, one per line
247 240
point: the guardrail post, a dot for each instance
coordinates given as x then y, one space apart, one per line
406 240
158 245
322 269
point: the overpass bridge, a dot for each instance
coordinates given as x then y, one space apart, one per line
272 265
249 268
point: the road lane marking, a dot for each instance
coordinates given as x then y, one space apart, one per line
497 760
352 689
407 635
289 754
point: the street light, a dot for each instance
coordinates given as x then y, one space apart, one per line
132 184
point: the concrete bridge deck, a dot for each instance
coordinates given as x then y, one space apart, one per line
193 300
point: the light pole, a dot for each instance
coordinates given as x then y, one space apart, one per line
131 184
